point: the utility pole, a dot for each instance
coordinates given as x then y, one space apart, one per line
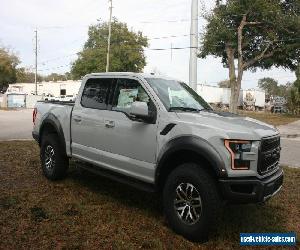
193 45
36 52
171 51
109 36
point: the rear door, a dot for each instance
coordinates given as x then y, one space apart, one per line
87 121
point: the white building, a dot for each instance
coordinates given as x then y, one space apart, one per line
55 89
216 95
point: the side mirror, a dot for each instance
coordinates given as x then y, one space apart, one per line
140 111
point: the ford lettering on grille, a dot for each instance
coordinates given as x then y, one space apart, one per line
269 154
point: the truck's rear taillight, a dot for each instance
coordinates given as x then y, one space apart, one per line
34 115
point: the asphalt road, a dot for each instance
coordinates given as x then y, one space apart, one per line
16 125
290 154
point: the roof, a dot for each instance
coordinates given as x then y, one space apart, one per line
143 75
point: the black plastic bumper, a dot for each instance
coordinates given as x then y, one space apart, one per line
251 190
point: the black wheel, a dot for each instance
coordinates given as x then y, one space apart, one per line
191 202
54 162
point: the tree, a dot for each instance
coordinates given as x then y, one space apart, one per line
252 34
8 64
294 97
25 76
272 87
126 54
224 84
56 77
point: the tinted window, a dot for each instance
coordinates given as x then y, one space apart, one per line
127 92
95 93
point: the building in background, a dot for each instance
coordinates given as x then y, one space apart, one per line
55 89
22 95
251 99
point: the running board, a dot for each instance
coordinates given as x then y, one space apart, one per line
144 186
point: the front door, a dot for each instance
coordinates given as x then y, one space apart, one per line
131 145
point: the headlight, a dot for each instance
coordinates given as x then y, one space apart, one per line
236 150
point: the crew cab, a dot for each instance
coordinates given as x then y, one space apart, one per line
159 135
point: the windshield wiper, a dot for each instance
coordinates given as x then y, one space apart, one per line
206 109
184 109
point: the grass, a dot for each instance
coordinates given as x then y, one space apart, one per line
274 119
85 211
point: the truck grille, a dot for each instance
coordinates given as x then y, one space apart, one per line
269 154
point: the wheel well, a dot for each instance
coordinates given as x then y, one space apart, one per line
179 157
47 129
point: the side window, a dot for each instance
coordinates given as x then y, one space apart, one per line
95 93
127 92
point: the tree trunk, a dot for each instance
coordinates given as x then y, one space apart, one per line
235 93
233 81
236 82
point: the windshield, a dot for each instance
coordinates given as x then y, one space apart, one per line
177 95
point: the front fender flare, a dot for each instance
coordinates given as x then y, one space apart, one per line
196 145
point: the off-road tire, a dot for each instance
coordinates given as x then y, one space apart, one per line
205 186
60 161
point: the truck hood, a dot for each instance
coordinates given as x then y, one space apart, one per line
228 124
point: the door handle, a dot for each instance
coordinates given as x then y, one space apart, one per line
109 124
77 118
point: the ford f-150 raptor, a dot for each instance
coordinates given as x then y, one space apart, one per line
159 135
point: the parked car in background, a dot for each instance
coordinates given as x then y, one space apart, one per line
49 97
159 135
70 98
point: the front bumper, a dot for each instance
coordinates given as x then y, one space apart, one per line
251 190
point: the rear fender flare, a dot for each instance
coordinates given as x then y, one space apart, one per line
53 121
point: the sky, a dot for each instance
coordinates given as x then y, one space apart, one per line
62 31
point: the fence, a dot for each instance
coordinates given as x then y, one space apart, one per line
19 100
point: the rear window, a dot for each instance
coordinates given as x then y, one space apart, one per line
95 93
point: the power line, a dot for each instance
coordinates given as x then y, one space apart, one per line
57 67
73 54
151 49
167 21
45 27
171 36
58 58
256 79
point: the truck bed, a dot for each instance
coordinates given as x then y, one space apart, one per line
56 110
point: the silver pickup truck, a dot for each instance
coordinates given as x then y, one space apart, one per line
158 135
